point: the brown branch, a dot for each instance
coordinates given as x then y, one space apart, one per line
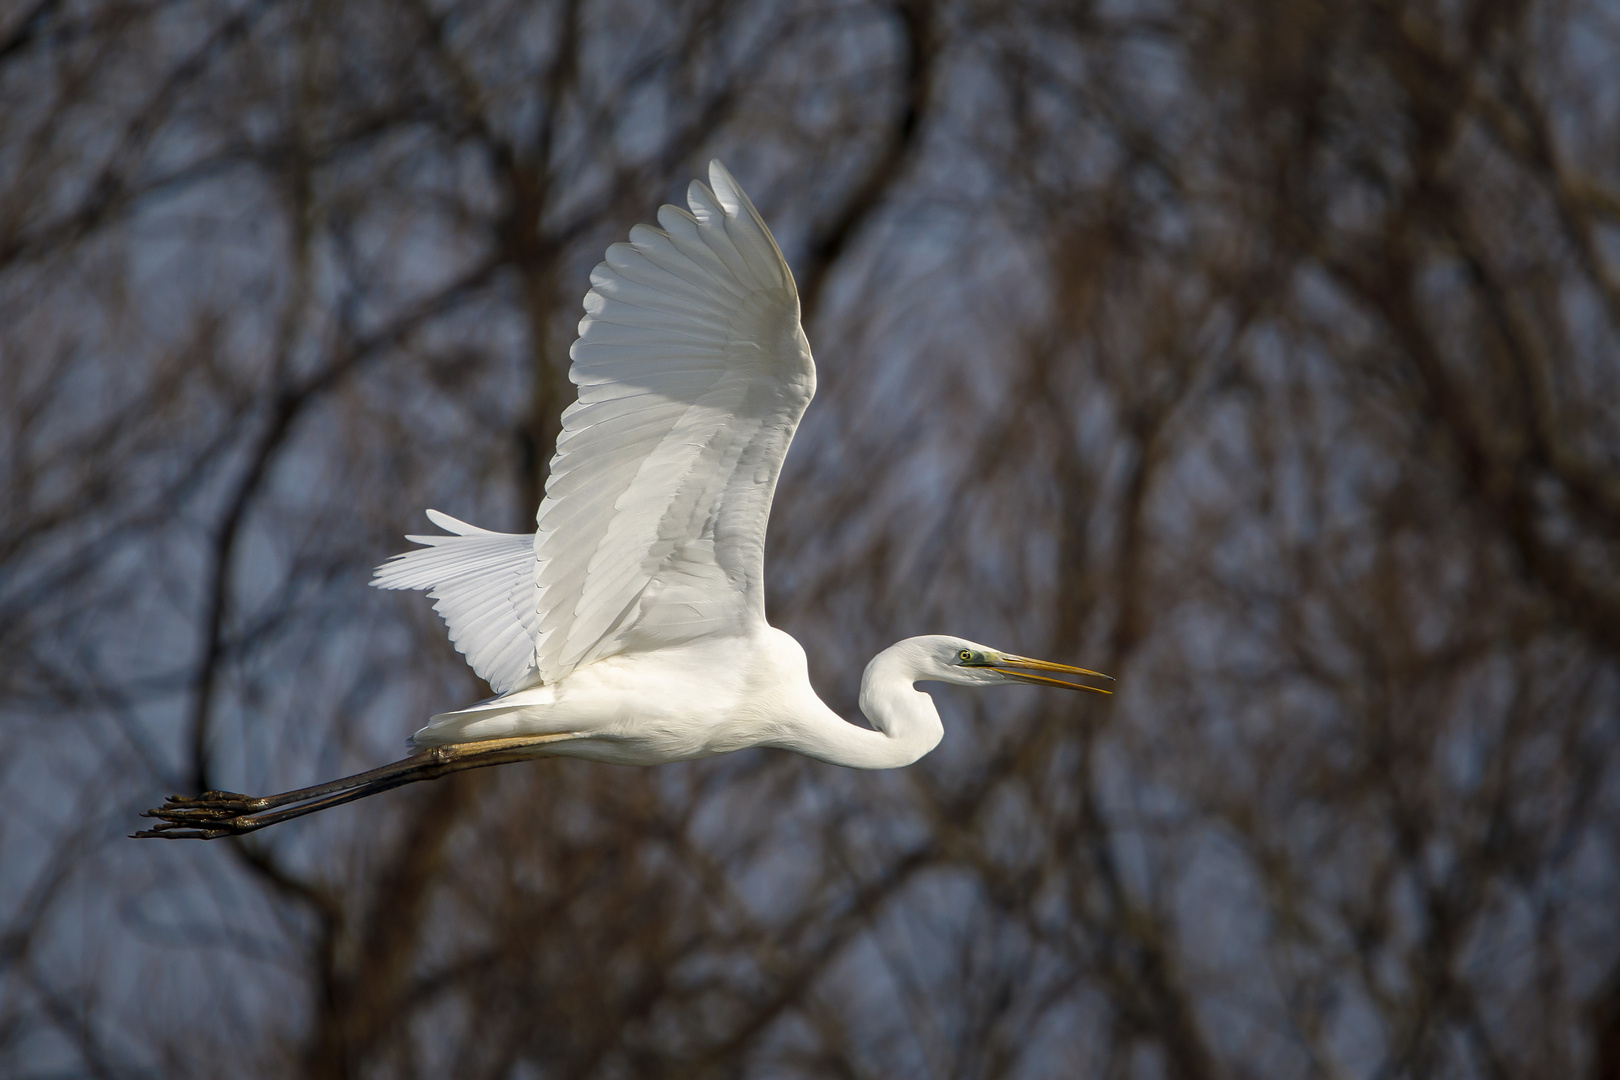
28 28
1603 1021
112 190
920 47
288 408
360 998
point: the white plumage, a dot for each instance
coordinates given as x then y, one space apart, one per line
630 627
633 619
692 375
483 583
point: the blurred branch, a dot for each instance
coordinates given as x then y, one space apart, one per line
920 48
112 188
27 29
284 412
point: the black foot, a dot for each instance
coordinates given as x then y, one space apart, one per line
205 817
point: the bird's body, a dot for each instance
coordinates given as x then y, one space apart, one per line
700 698
690 700
630 627
632 623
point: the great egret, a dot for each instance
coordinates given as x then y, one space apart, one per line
630 627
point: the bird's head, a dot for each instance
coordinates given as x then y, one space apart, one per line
967 663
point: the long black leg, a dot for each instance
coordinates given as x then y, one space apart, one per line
224 813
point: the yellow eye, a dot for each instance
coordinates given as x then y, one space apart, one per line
966 655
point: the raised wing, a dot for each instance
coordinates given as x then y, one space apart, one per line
693 373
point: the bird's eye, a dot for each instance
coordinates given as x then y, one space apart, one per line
966 655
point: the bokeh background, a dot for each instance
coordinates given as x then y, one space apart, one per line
1261 352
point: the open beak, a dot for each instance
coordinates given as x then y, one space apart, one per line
1019 668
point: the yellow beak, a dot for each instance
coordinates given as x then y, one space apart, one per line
1018 668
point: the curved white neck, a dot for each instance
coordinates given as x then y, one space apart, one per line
906 722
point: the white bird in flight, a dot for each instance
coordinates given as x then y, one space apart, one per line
630 627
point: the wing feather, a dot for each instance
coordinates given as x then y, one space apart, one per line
482 583
693 373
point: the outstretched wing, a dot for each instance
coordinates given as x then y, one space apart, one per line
693 373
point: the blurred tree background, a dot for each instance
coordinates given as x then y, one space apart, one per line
1261 352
